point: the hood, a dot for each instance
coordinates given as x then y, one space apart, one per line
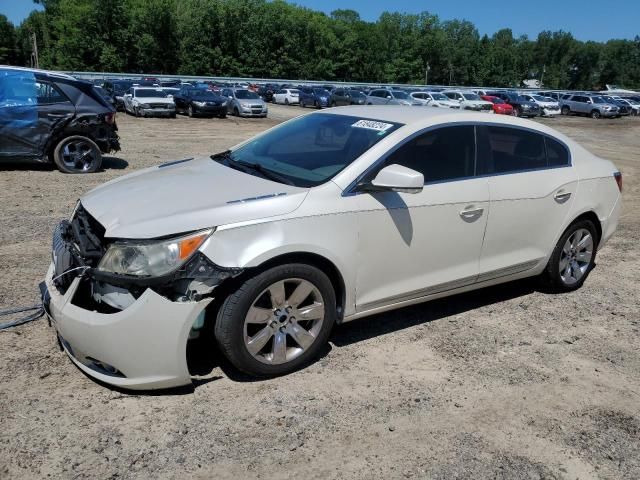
186 195
205 98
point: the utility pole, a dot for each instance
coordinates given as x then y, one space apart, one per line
426 74
544 68
35 49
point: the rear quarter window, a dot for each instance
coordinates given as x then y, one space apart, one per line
557 154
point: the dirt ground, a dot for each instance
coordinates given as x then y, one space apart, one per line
503 383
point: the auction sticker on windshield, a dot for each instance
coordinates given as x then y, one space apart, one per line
373 125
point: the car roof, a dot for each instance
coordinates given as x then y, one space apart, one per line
420 116
35 70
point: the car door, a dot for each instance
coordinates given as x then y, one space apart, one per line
54 111
531 186
18 114
412 245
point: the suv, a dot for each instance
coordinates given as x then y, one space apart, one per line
52 117
521 106
594 106
623 107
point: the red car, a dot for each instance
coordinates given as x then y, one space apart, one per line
499 105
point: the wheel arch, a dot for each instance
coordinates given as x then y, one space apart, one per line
328 267
591 216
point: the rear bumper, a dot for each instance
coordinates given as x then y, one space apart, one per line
141 348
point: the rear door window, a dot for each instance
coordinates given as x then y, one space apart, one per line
503 150
47 94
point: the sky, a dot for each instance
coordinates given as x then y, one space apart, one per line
585 19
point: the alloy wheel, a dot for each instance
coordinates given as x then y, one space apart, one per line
79 155
576 256
284 321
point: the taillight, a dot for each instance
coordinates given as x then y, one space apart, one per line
110 118
618 177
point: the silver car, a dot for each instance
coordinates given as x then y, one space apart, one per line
383 96
245 103
594 106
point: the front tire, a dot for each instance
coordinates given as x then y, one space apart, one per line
573 258
277 321
595 114
565 110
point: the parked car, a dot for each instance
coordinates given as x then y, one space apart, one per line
196 101
434 99
117 89
469 101
149 102
286 240
346 96
623 108
499 106
548 106
633 105
383 96
521 106
316 97
244 103
594 106
287 96
171 91
50 117
267 91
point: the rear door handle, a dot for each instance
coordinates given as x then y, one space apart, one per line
470 213
562 196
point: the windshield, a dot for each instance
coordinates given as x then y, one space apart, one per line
471 96
246 95
401 95
598 100
294 91
439 96
121 87
497 101
322 92
149 92
538 98
311 149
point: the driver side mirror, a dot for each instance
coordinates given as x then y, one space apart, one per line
395 178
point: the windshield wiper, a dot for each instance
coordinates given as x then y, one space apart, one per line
248 167
265 172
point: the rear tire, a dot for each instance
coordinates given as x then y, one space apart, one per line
259 317
77 154
572 259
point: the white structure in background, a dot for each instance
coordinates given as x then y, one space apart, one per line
615 90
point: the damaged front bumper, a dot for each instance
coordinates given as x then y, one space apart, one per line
142 347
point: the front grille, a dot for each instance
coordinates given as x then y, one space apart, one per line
158 105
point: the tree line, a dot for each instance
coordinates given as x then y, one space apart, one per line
276 39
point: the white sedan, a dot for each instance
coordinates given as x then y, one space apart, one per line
435 99
269 244
149 102
548 106
287 96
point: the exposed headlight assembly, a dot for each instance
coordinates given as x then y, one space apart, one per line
200 104
144 105
142 258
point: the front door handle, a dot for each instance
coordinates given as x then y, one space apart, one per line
471 213
562 196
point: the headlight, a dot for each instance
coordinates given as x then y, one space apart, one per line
144 105
200 104
151 258
245 105
224 104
